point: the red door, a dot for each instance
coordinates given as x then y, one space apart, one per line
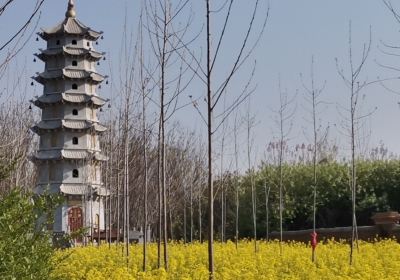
75 220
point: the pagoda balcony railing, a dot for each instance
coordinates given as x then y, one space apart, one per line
65 118
70 91
97 149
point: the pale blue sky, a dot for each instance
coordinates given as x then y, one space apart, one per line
296 30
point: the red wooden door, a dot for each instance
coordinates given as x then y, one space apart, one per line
75 219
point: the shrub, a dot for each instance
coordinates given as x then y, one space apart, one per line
25 244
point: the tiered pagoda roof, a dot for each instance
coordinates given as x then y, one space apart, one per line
66 73
74 98
92 55
46 125
60 154
72 189
69 42
70 26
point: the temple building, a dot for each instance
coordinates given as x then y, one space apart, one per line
69 157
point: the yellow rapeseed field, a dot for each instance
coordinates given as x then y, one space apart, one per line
379 260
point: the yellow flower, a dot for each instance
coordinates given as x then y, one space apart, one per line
378 260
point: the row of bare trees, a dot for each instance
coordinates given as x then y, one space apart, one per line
16 142
158 173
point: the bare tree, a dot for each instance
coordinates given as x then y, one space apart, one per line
284 122
355 85
236 155
16 140
266 192
250 125
166 40
17 39
213 96
312 96
143 88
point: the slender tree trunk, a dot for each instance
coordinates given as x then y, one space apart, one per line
314 171
353 177
145 183
191 213
118 205
164 198
210 151
159 200
200 225
99 222
91 216
224 216
236 186
184 215
126 184
145 160
222 185
251 175
281 187
163 153
171 230
266 211
110 172
107 184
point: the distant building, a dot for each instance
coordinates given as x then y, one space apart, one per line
69 156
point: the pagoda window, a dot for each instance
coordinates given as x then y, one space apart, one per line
74 112
74 42
75 173
75 141
88 44
74 63
58 42
74 86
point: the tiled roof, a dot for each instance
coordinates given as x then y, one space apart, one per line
70 26
72 189
69 154
69 51
76 189
69 97
74 154
69 74
71 124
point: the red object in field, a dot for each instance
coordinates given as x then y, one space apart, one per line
314 241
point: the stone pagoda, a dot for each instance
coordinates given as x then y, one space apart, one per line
69 158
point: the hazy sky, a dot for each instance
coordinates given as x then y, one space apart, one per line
296 31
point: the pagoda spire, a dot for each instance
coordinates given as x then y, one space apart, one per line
71 13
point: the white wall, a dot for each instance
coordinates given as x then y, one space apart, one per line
96 207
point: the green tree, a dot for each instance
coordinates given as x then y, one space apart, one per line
378 190
25 243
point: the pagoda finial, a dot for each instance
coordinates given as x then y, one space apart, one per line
71 9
